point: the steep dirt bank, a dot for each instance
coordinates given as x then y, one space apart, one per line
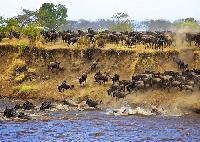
24 74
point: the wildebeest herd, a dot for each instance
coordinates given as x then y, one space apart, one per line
19 110
154 40
26 106
183 79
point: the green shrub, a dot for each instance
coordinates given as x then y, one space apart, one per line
24 89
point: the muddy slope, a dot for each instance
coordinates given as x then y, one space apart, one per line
75 62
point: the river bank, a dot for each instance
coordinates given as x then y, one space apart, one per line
24 74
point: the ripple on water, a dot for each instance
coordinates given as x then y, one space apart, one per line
98 126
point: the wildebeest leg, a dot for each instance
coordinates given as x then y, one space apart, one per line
99 82
168 89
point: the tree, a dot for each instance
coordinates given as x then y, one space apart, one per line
145 25
12 28
186 25
52 16
1 20
160 25
26 18
120 22
2 28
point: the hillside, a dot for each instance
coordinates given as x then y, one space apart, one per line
24 74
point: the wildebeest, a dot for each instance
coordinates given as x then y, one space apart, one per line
91 103
115 78
50 36
156 111
18 106
72 40
28 105
99 77
157 81
181 64
139 85
89 51
52 65
124 83
136 85
119 95
83 78
187 87
9 112
170 84
115 88
94 64
45 105
65 86
110 90
23 116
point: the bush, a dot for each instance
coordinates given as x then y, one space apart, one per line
32 32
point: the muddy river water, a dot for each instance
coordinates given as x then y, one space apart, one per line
98 125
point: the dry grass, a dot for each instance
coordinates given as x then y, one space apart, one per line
14 41
59 44
16 64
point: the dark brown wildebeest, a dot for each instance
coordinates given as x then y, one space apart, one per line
189 38
115 88
18 106
115 78
91 103
98 78
119 95
112 89
197 39
28 105
23 116
45 105
72 40
65 86
156 111
83 78
9 112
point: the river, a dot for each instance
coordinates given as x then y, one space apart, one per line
98 125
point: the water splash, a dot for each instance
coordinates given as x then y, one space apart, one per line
128 111
145 111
